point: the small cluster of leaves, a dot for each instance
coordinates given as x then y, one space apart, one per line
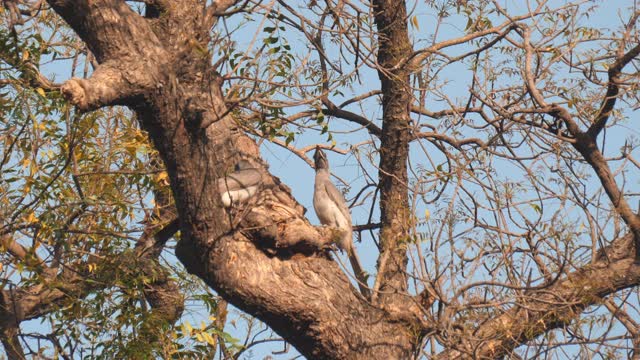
281 58
272 126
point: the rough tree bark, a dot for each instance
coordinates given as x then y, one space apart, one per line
394 47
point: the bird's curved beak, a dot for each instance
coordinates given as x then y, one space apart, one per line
319 154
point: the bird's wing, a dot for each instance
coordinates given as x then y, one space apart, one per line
238 196
337 198
239 180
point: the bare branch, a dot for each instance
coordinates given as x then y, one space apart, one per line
613 89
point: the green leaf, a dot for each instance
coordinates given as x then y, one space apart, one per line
537 208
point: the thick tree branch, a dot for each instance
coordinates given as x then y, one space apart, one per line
308 293
11 341
529 76
113 83
394 47
111 29
218 7
613 89
539 311
332 110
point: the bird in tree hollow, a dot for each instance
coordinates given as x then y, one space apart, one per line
240 185
332 210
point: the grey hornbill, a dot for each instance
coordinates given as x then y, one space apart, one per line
332 210
240 185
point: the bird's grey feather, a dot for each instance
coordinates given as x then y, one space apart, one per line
336 196
238 196
332 210
239 180
239 185
329 204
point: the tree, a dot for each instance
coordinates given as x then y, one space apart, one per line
497 210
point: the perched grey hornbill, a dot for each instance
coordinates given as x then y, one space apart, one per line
332 210
240 185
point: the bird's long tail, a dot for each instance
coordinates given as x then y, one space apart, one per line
361 275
